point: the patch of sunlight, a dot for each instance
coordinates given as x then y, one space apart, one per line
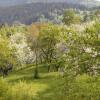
28 89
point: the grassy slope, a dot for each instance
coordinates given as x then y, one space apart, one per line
50 86
22 83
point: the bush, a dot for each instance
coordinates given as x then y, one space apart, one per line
3 89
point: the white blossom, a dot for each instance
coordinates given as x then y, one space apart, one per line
23 52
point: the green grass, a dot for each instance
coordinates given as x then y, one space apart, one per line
21 85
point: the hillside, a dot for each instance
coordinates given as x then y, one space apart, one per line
54 58
21 2
29 13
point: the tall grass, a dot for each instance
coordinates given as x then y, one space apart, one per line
21 90
3 89
84 87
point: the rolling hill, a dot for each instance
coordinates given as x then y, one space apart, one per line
5 3
28 11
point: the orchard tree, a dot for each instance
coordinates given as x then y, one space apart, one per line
6 55
70 17
93 43
23 53
97 14
48 39
44 42
84 51
51 40
33 42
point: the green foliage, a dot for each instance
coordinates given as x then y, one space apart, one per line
84 50
82 88
6 30
50 40
51 86
5 52
3 89
70 17
97 14
53 46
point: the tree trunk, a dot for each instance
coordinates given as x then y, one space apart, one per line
36 76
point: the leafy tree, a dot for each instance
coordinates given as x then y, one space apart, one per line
34 44
97 14
6 55
83 55
87 16
44 41
51 40
93 42
23 53
70 17
48 40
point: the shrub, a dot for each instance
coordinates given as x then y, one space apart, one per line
3 89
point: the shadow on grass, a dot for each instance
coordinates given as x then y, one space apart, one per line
30 69
54 92
29 77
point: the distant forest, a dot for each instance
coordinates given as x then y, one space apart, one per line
29 13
